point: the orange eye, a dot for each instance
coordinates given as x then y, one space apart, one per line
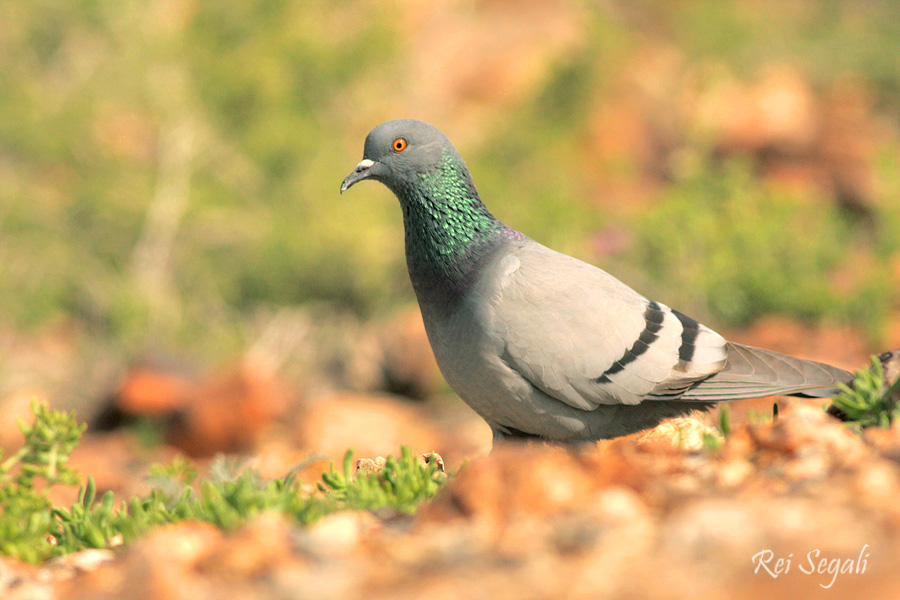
399 145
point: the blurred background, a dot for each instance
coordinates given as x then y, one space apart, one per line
175 257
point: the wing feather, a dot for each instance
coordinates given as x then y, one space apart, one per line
586 339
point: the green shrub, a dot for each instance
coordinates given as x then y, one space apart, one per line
869 401
32 529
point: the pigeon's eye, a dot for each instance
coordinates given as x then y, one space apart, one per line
399 145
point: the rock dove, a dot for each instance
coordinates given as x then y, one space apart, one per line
543 345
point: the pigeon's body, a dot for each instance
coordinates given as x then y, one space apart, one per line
541 344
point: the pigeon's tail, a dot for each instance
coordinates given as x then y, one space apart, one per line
753 373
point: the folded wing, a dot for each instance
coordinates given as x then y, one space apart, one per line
583 337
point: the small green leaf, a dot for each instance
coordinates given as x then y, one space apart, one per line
87 494
725 421
348 464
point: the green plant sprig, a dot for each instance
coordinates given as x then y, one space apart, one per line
32 529
869 401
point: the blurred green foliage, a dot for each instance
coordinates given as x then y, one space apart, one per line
750 251
33 529
170 168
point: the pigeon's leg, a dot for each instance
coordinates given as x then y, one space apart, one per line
511 434
515 436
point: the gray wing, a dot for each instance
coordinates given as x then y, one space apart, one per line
583 337
754 372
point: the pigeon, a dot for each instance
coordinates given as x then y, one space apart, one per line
543 345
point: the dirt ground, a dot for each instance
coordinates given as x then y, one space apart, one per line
798 507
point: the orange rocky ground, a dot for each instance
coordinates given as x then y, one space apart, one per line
632 518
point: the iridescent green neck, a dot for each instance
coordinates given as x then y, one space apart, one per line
449 232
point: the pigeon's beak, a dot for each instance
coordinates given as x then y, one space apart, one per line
359 173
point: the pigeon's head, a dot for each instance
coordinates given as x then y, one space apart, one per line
398 152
